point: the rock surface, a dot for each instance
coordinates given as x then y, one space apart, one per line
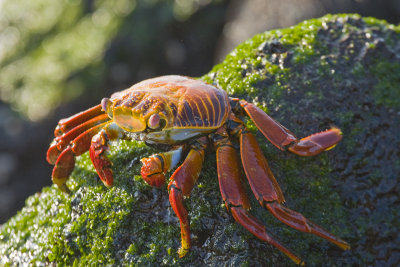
336 70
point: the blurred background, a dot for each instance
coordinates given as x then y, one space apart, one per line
60 57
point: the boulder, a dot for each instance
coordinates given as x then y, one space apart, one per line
338 70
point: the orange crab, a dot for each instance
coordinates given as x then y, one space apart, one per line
190 117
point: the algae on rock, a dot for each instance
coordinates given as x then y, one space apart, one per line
340 70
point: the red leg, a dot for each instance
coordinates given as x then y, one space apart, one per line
66 124
256 228
277 134
65 161
281 137
63 168
235 198
181 184
154 167
317 143
268 193
98 151
261 179
296 220
72 138
62 141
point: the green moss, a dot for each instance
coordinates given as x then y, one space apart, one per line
303 77
387 90
245 65
380 23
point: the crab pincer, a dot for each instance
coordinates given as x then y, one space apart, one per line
101 163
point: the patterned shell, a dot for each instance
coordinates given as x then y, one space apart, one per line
186 103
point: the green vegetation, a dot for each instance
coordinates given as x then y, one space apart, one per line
307 77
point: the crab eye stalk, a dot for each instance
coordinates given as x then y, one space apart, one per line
105 105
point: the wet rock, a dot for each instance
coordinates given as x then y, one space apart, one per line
337 70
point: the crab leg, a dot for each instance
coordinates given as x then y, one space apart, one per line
65 162
71 141
62 141
99 148
235 198
181 184
298 221
316 143
66 124
281 137
154 167
268 193
63 167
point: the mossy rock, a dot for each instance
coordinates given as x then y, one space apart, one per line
340 70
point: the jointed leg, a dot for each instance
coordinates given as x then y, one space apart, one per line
98 151
298 221
180 186
69 123
316 143
154 167
72 138
281 137
235 198
61 142
268 193
252 225
65 160
64 165
261 179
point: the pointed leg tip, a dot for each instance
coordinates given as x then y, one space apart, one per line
317 143
344 245
299 261
64 188
108 184
182 252
335 134
294 258
106 176
336 130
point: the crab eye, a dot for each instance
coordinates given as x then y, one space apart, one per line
105 105
154 121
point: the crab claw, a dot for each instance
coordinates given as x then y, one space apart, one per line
64 165
53 153
99 159
154 167
316 143
152 171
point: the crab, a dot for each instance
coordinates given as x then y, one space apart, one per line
188 118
